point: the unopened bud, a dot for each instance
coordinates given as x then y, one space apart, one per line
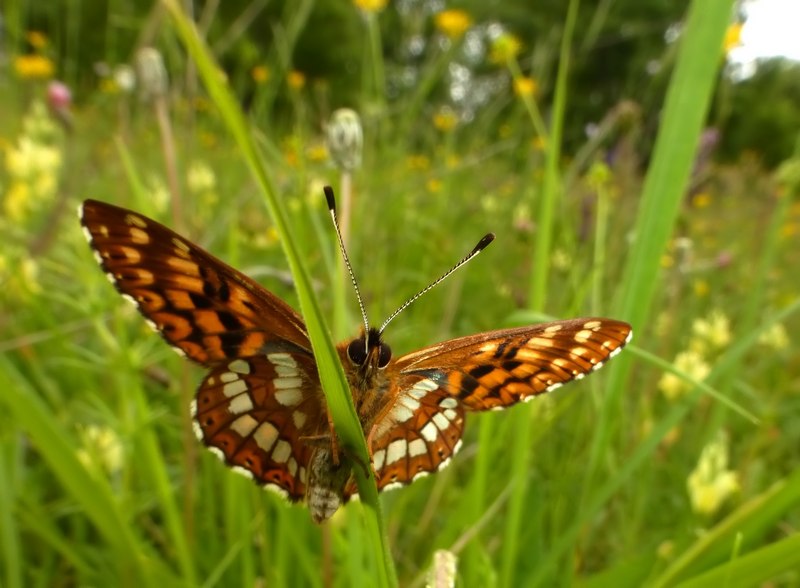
152 74
345 139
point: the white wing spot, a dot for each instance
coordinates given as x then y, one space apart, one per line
239 366
233 388
402 413
429 432
217 453
97 257
244 425
579 376
135 221
377 459
440 421
299 418
152 325
240 404
242 472
284 371
419 475
193 408
450 415
302 474
277 490
417 447
289 397
283 359
592 325
198 432
409 402
130 299
553 329
552 387
397 450
392 486
583 336
179 351
282 383
265 436
448 402
228 377
180 245
139 236
87 233
291 465
597 366
282 451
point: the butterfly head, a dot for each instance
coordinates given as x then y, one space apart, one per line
369 352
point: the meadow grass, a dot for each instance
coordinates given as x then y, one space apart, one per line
103 482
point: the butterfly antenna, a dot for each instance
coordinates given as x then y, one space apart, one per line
482 244
332 209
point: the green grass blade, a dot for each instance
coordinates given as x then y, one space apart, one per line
331 374
753 569
93 495
751 522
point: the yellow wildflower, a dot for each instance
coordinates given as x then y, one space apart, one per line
701 288
692 364
34 67
418 162
200 178
445 120
525 87
260 74
701 200
102 449
775 337
371 6
452 23
711 482
505 48
434 185
733 37
36 39
296 80
714 332
109 86
317 152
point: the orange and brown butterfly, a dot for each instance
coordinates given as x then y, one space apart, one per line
260 407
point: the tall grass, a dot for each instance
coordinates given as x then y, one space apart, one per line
589 486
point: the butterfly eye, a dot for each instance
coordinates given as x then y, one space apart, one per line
385 355
357 351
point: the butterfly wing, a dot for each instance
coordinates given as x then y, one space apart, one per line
420 431
262 395
256 415
204 308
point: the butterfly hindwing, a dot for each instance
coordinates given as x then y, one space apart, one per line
417 434
257 414
204 308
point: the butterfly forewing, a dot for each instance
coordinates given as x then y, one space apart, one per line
203 307
421 429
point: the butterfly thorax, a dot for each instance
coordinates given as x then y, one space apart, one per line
365 359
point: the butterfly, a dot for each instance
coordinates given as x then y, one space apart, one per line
260 407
